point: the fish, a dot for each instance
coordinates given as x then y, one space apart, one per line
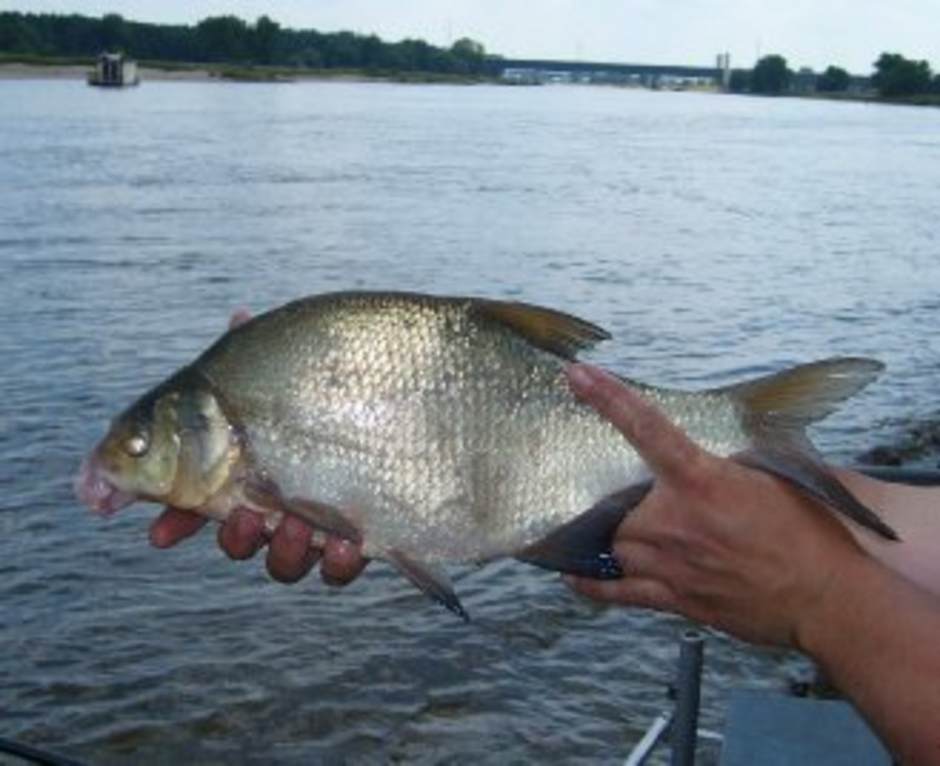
434 430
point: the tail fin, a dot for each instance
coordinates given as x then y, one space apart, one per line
802 395
777 408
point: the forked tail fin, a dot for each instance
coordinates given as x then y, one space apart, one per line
804 394
778 408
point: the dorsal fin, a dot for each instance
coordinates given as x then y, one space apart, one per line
807 393
550 330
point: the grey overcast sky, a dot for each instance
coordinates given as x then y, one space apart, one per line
814 33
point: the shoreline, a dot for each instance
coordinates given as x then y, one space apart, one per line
171 72
19 70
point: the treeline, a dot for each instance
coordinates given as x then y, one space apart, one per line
229 39
894 76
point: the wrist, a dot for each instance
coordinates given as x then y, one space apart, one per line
841 607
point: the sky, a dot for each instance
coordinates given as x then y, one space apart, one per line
813 33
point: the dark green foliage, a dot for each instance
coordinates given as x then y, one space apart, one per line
898 76
224 38
468 55
266 34
230 39
771 75
113 33
833 80
740 81
18 36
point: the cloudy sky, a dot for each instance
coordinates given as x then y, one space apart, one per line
849 33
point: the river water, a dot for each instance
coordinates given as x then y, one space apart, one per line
717 237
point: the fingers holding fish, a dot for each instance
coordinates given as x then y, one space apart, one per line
173 526
290 553
631 591
342 562
242 535
638 558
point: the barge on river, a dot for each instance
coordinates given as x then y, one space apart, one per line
113 70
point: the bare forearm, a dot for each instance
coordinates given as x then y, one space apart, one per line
915 513
875 635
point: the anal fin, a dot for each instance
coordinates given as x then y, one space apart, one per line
430 580
584 545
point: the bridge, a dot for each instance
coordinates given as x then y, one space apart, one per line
548 69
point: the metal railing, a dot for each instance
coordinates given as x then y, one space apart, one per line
688 696
681 723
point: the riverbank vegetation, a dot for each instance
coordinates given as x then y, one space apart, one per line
895 78
247 51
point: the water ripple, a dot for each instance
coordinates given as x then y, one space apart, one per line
716 238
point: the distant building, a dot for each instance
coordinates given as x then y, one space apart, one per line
803 81
536 72
113 70
723 61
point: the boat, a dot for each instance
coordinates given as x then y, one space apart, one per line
114 70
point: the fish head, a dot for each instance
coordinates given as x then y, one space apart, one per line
173 446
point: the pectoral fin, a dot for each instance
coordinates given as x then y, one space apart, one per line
267 494
584 546
431 580
325 517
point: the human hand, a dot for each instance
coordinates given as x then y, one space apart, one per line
290 555
716 541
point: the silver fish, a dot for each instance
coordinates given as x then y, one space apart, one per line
437 429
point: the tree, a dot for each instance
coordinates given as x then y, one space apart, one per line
341 50
371 52
230 39
469 55
834 79
17 35
898 76
740 81
113 33
265 39
771 75
223 38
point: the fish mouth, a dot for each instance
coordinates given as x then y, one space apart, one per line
95 490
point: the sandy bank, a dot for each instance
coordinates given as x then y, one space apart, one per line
17 71
21 71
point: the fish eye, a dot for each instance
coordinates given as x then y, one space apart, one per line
136 445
